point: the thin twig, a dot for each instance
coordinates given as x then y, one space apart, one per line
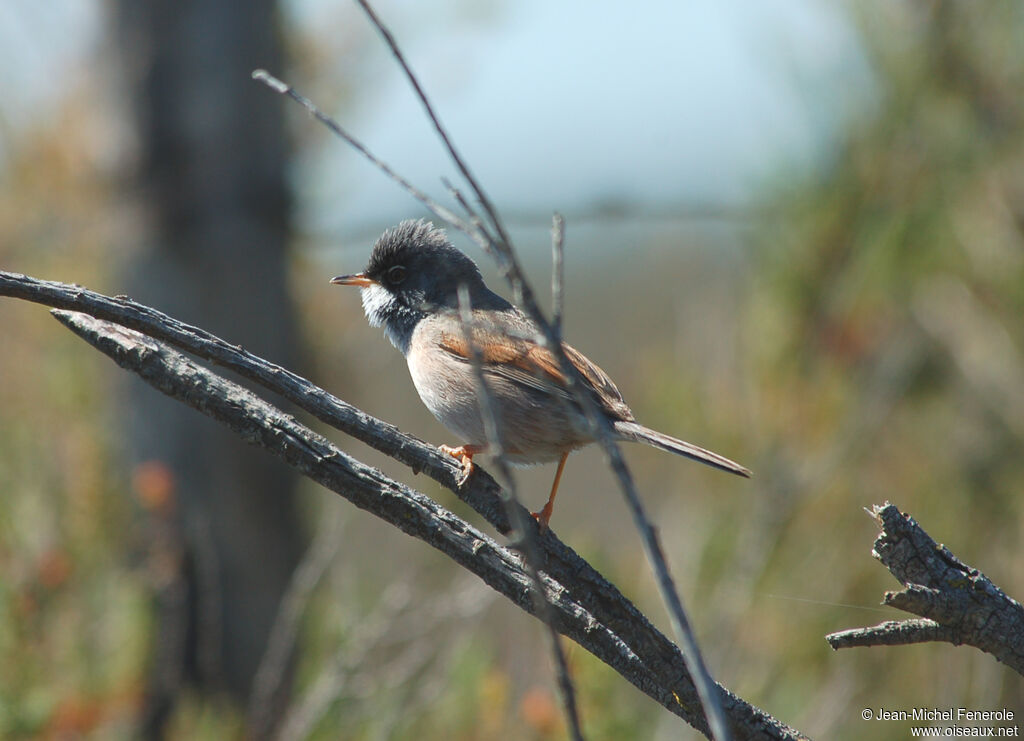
707 690
524 528
557 271
325 689
474 229
389 39
208 570
504 254
281 644
474 218
261 75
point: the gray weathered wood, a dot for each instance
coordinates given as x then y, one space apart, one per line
956 603
647 658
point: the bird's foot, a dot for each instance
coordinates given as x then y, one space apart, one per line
543 517
464 455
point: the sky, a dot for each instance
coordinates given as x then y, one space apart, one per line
43 47
573 106
580 105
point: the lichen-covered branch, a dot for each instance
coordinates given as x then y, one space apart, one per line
956 603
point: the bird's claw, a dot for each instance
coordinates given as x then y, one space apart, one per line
464 456
542 518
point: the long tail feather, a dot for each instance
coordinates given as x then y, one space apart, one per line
640 434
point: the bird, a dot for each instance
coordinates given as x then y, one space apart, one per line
411 288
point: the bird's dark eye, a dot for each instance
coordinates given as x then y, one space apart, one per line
396 275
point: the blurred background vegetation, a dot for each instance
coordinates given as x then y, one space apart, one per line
851 329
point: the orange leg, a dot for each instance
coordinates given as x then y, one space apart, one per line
544 516
464 455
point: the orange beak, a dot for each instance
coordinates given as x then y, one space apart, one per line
359 279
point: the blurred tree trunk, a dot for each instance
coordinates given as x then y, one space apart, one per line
209 182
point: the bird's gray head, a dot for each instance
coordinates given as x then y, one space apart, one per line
414 271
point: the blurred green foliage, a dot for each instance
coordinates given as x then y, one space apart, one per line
869 348
887 323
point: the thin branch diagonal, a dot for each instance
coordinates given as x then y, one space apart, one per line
479 227
557 271
500 248
285 631
956 603
389 39
441 212
524 529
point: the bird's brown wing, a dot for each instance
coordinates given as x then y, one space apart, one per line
532 365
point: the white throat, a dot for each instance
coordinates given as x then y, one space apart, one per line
378 303
375 301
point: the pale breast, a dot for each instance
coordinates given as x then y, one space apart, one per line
446 387
536 425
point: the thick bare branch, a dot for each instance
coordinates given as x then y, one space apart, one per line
481 492
260 423
661 671
958 603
